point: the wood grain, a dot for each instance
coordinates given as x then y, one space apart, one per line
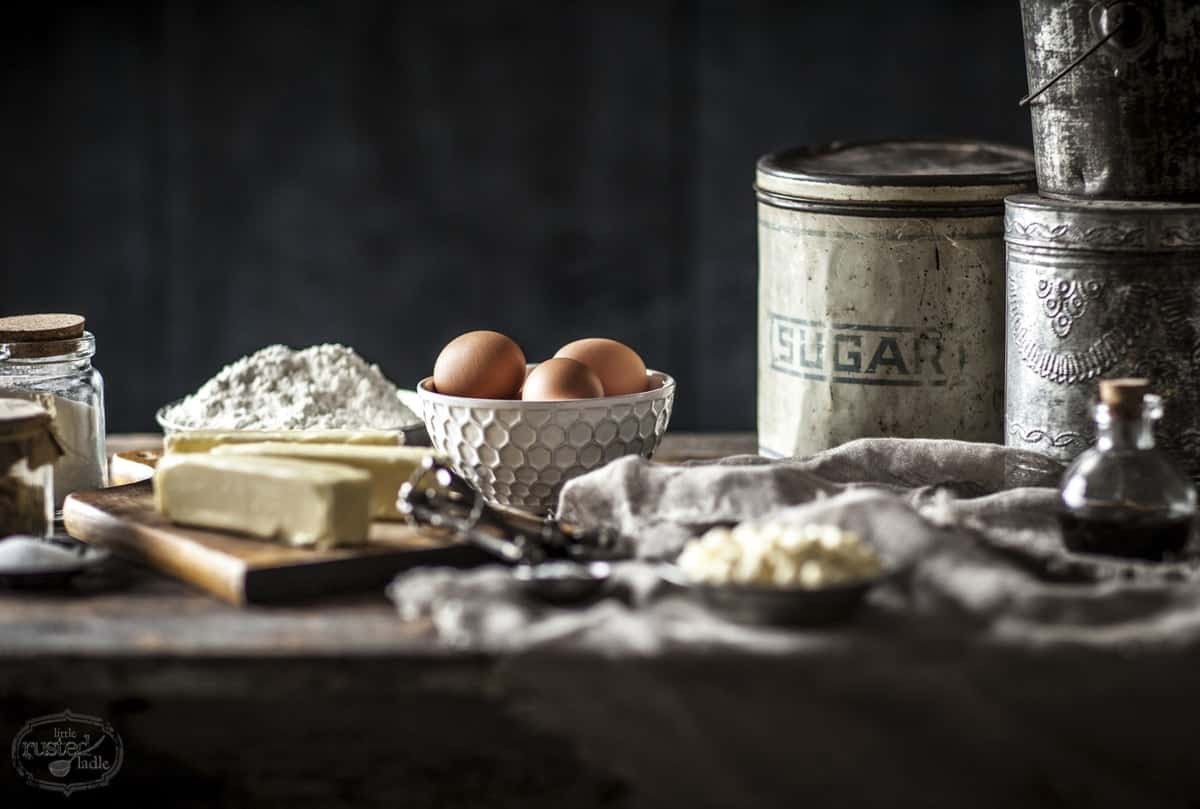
243 570
135 456
676 445
132 613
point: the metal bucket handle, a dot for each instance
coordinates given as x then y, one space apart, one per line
1108 20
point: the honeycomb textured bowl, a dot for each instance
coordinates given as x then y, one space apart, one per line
520 453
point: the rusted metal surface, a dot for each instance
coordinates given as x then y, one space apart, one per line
1120 124
1101 289
881 308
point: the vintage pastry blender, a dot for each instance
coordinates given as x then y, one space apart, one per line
438 496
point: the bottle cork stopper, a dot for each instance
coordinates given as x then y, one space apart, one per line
40 328
1125 394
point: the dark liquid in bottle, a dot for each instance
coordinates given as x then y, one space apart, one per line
1123 533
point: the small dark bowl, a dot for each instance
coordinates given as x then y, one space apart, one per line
35 576
564 582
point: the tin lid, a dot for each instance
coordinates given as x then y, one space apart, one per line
904 173
1031 220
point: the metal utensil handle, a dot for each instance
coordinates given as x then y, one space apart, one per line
1074 64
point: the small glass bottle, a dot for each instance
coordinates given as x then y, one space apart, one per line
1123 497
48 358
28 450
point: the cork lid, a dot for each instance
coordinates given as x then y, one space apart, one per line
40 328
1124 395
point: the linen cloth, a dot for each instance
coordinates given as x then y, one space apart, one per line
1002 670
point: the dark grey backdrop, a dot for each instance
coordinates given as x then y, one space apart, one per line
201 179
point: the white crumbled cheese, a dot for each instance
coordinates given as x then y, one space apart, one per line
779 554
324 387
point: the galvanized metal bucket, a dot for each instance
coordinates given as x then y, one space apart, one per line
881 303
1101 289
1114 95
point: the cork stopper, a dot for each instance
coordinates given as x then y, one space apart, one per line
1124 395
40 328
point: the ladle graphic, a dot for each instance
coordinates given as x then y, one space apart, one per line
61 767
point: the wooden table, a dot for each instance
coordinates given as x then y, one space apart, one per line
326 704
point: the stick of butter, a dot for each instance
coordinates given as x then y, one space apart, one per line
207 440
296 502
389 467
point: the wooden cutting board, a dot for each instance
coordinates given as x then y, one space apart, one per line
243 570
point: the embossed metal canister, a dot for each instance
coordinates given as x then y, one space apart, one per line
1101 289
881 291
1114 94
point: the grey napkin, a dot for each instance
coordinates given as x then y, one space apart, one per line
980 550
1002 672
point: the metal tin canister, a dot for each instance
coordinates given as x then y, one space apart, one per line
881 294
1101 289
1120 123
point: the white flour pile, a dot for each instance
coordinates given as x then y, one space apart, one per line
324 387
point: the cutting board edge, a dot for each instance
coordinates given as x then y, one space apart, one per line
91 524
286 583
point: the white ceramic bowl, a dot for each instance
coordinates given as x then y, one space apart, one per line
520 453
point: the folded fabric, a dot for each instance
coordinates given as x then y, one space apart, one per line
1003 671
979 550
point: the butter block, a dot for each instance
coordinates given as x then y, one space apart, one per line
389 467
300 503
207 440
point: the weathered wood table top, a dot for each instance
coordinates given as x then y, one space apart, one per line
330 703
339 703
143 614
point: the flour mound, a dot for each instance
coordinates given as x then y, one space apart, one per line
324 387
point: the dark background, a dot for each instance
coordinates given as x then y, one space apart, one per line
202 179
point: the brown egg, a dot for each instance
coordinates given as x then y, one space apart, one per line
558 379
480 364
619 367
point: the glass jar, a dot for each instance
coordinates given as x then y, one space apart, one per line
28 450
58 375
1124 497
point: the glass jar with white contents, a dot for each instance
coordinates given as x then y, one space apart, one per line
28 450
48 359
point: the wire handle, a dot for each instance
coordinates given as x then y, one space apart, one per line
1074 64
